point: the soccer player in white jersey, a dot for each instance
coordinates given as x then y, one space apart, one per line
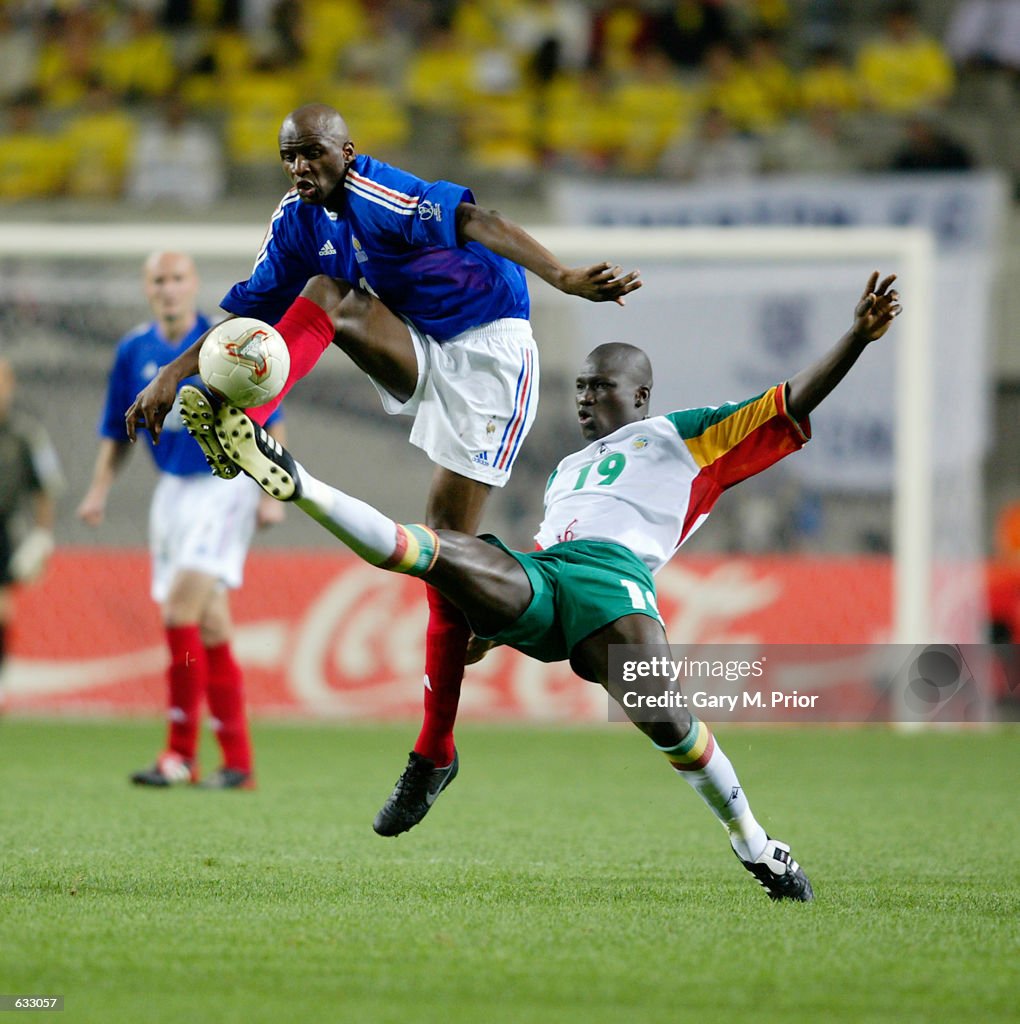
615 512
199 530
449 343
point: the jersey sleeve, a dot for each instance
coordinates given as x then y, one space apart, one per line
280 271
395 206
435 221
735 441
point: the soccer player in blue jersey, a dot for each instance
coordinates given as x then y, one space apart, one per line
200 527
615 512
449 343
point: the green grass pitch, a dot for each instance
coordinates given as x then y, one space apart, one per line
566 876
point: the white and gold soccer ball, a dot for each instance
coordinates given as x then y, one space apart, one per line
244 361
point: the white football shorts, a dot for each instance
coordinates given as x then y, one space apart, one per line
476 398
201 523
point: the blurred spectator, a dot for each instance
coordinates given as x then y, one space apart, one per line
33 161
320 29
176 159
379 122
771 73
139 62
225 56
19 53
729 86
689 27
500 136
381 54
621 29
576 134
821 22
649 108
985 33
69 55
928 147
474 23
747 16
210 13
828 82
815 143
288 32
716 152
549 36
904 69
256 101
101 138
440 75
771 16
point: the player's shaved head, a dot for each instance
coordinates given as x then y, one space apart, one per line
171 286
317 119
162 261
316 151
620 359
613 389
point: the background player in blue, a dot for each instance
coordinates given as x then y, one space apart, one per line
199 530
456 351
628 499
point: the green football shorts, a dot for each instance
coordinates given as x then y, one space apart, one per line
579 587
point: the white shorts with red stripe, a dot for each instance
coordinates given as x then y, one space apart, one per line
476 398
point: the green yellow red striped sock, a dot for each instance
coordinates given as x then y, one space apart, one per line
693 752
416 551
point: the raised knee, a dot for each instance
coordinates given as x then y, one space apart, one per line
326 292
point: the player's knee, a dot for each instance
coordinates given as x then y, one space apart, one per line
326 292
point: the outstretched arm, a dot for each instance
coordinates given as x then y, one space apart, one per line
875 311
155 400
601 282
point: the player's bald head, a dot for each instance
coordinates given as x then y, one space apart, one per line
171 286
317 119
613 389
618 359
164 261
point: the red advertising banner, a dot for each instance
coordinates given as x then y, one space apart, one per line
321 633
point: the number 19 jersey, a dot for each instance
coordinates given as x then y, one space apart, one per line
651 484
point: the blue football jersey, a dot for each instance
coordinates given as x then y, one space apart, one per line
140 354
397 235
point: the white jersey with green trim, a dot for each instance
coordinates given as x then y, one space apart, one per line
649 485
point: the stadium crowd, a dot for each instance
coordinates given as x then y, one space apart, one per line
176 100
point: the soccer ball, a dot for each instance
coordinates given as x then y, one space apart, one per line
244 361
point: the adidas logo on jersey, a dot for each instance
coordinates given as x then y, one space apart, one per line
328 249
482 458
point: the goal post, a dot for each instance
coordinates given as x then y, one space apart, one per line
910 250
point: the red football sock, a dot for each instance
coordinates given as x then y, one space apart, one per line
445 647
225 694
308 330
186 677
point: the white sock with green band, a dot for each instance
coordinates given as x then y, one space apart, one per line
698 758
410 549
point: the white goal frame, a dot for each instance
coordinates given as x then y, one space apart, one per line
912 249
